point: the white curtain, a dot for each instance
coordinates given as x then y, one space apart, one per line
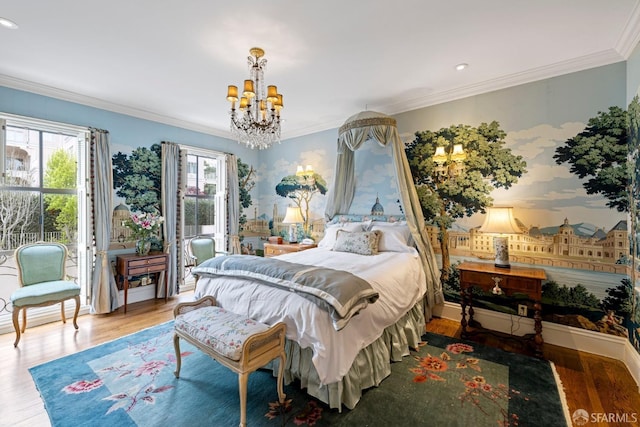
170 197
104 292
233 204
381 128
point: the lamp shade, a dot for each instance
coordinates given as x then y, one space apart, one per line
500 220
293 216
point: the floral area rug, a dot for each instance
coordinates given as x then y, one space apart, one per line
130 382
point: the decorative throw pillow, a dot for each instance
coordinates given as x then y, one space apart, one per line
363 243
331 230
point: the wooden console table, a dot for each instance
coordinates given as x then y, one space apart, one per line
134 265
527 281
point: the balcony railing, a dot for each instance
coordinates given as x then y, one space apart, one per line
12 241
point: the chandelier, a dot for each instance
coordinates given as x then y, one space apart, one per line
257 124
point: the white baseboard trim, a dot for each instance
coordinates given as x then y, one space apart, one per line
42 315
553 333
141 293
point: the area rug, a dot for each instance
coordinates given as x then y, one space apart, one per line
447 382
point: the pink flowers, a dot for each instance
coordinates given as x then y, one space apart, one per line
144 225
82 386
458 348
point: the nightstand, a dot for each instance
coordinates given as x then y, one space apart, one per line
524 280
132 265
274 249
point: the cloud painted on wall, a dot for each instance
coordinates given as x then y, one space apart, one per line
548 193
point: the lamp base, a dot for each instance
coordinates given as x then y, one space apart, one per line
501 245
293 238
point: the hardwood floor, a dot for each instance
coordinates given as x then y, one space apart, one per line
593 383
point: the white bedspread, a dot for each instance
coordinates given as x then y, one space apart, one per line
397 276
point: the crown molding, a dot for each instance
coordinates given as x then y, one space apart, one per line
630 36
64 95
627 42
598 59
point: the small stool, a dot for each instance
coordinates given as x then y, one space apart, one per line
238 342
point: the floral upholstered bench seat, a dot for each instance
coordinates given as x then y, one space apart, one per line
237 342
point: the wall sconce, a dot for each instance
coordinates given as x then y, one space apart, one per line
499 220
305 176
293 217
449 165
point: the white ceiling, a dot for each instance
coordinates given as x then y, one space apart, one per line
171 60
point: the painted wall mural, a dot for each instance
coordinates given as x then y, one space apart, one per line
585 263
634 214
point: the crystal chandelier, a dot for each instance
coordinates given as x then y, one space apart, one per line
257 124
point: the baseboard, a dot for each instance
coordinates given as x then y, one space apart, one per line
42 315
553 333
141 293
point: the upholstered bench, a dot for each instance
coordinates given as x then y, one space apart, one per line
238 342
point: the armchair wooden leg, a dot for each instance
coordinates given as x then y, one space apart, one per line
64 318
75 313
16 326
24 319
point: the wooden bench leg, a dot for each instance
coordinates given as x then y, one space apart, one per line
176 345
243 379
280 379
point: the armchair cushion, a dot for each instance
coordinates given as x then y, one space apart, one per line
202 248
41 263
56 290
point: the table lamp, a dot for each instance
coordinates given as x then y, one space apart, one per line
500 221
293 217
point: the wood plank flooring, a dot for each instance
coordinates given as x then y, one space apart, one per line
593 383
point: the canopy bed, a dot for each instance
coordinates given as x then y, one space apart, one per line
342 345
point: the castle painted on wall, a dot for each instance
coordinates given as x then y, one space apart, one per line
604 251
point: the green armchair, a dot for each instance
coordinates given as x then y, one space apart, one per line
202 248
41 276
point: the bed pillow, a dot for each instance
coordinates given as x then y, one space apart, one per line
357 242
330 232
393 238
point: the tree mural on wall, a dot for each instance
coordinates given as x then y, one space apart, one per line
599 155
488 165
301 192
137 178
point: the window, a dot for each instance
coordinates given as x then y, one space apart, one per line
204 203
42 196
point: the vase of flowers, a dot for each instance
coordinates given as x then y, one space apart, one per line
144 227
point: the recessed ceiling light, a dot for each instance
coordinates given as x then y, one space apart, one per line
7 23
462 66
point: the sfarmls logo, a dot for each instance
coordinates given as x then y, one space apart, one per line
581 417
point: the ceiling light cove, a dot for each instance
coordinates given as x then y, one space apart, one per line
462 66
7 23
